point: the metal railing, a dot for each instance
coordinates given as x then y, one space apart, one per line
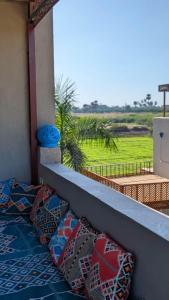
117 170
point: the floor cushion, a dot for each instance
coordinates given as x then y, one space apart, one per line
49 216
74 261
26 267
111 270
61 235
21 199
42 196
5 190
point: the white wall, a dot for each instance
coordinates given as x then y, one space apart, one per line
161 146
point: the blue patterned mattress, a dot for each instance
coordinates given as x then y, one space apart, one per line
26 268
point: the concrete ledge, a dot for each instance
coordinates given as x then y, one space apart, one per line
143 215
136 227
49 155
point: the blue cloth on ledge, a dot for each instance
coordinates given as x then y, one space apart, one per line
26 268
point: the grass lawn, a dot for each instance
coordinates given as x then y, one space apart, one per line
130 149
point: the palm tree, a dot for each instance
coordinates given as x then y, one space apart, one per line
74 131
98 131
71 153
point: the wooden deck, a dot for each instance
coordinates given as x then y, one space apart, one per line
140 179
151 190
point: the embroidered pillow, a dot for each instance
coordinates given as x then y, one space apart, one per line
61 235
5 190
21 199
42 196
74 261
111 270
49 216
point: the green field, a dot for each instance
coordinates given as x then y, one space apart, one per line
130 149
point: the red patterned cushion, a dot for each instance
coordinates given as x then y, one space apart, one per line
74 261
61 235
42 196
111 270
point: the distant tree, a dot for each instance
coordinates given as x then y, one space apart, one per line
127 108
135 103
148 97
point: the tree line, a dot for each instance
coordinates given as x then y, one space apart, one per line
144 105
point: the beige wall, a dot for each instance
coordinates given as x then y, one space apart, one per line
14 135
161 146
14 108
45 71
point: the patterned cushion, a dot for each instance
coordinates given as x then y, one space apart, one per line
5 190
111 270
42 196
74 261
61 235
21 199
48 217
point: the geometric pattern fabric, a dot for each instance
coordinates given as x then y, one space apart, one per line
5 241
75 260
42 196
61 235
49 216
111 271
33 271
5 190
26 267
21 199
18 274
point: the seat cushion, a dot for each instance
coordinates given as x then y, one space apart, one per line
42 196
21 199
111 270
49 216
5 190
61 235
26 267
74 261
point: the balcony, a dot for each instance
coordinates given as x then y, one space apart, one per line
138 228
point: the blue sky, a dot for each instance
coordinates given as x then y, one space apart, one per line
116 51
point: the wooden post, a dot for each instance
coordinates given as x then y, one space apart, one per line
32 103
164 104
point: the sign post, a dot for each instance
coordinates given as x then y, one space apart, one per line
164 88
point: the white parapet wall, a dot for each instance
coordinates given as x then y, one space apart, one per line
138 228
161 146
